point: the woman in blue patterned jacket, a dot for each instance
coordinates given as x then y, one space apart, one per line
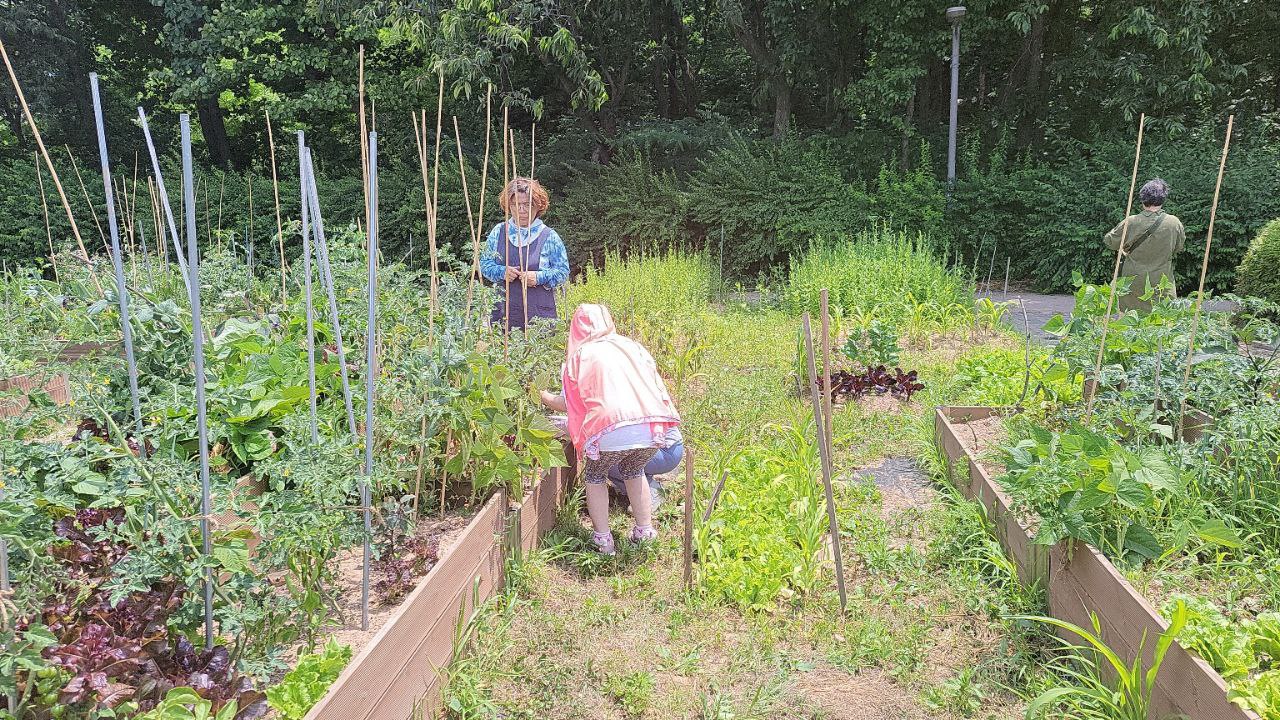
524 256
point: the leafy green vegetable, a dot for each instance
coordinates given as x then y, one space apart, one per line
303 686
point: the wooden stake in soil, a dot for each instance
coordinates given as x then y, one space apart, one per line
824 451
1115 274
197 335
93 211
53 172
44 207
484 179
435 197
117 261
506 245
275 191
688 519
466 197
826 369
1204 269
420 136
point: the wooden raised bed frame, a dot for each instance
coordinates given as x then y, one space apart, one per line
1080 581
397 673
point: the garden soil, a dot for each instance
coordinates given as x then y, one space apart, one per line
345 628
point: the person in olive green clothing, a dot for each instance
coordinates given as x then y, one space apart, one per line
1153 238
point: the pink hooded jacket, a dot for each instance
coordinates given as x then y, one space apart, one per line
610 381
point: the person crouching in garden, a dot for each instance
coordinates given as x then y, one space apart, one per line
524 257
619 415
666 459
1154 237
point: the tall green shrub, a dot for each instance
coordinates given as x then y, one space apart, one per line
771 200
1259 272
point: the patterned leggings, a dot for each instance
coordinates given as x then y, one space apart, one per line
630 464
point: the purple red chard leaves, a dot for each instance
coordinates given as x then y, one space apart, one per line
124 650
875 381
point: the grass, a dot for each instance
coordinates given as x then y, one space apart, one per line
885 275
618 638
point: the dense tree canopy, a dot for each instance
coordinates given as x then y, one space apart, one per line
1042 81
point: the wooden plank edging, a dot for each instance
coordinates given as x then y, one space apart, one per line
398 670
1080 581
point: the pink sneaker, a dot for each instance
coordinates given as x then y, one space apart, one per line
604 543
643 534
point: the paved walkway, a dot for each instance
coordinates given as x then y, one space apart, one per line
1040 308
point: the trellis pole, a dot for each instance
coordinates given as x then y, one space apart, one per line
1204 269
93 211
371 375
117 261
433 228
53 172
326 280
420 138
303 192
471 220
824 451
48 231
484 179
163 200
197 336
275 191
1115 274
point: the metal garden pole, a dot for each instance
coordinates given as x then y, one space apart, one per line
164 200
303 184
954 16
371 373
326 280
197 335
117 261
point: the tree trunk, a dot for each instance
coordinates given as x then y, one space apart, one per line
781 91
215 131
904 164
1028 119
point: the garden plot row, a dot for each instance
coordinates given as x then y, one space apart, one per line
398 671
1081 582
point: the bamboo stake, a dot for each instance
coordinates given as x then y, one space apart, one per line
53 172
248 181
208 226
420 139
275 191
524 249
688 519
197 335
93 211
826 370
48 231
824 451
484 179
504 237
1115 274
466 197
1204 269
433 230
222 186
155 218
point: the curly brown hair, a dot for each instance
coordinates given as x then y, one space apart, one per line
522 186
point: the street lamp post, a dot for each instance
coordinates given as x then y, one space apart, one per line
954 16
